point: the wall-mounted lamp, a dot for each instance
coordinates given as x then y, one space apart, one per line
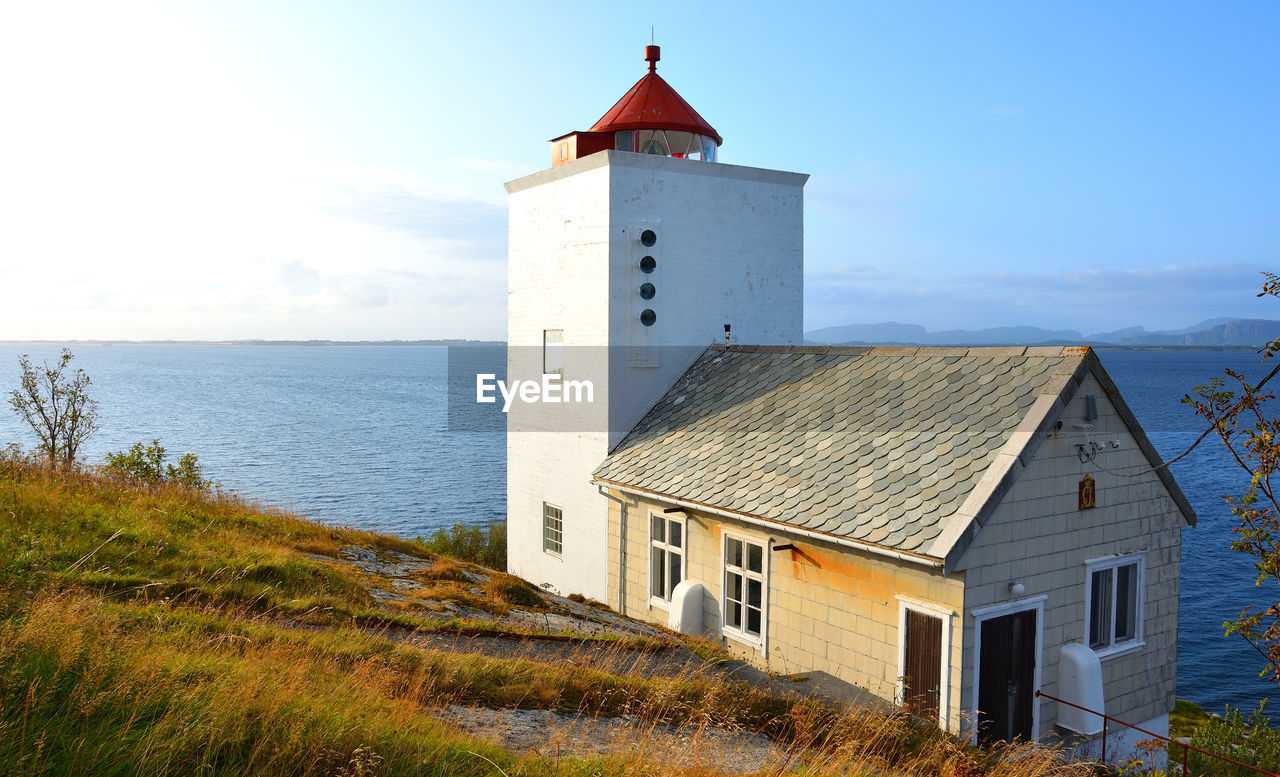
1017 588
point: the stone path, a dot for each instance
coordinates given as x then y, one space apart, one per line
555 735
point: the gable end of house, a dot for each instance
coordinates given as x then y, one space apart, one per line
1040 423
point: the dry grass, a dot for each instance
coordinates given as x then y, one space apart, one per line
162 632
94 688
168 690
444 569
511 591
449 591
485 591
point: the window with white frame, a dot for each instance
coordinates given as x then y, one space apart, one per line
553 352
666 556
1114 602
552 529
744 587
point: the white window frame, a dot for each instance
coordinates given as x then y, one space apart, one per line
944 691
1113 562
683 551
553 352
742 635
545 549
995 611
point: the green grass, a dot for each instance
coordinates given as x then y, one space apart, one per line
486 545
1186 717
162 631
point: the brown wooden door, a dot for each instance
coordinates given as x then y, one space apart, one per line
1006 677
922 676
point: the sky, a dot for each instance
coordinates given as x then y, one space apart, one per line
298 170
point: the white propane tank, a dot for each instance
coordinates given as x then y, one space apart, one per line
686 608
1080 682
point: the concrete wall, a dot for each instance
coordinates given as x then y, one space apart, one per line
730 249
830 609
558 278
1038 537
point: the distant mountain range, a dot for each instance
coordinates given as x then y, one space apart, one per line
449 343
1216 332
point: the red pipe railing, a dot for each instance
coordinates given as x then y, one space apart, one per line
1186 747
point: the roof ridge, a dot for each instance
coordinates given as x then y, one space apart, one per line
1052 351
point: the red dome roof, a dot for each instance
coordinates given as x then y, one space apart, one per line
653 104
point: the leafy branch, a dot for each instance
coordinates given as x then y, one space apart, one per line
1236 412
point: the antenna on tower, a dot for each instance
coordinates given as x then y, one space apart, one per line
651 35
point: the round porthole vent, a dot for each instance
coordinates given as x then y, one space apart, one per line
648 238
648 264
647 317
647 291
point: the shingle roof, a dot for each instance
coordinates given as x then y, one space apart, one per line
901 448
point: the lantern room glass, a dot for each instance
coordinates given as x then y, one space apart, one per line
673 143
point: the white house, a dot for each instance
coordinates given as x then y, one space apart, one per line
944 527
951 529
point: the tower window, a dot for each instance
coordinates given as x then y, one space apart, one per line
553 352
552 529
648 238
648 264
648 317
647 291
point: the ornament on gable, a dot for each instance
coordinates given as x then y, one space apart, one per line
1088 494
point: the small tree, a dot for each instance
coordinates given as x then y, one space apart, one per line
57 407
147 464
1236 411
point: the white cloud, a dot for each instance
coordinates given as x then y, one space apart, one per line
146 198
369 295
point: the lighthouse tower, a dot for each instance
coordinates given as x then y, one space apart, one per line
627 257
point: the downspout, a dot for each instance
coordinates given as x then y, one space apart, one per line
768 576
622 546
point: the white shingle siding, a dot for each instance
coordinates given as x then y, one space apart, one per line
1038 536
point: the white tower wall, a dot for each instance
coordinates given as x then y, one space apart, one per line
558 278
729 250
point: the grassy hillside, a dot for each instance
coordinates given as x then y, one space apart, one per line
162 631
